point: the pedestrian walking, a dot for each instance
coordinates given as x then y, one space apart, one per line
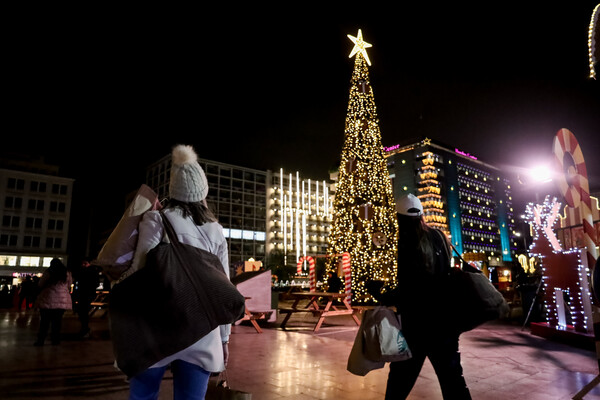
420 296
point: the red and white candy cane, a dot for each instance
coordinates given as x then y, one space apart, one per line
312 278
347 275
575 187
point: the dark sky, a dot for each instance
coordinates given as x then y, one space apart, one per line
105 92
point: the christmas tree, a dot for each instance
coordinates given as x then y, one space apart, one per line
364 219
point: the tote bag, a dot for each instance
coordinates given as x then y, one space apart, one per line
180 295
384 340
472 298
379 339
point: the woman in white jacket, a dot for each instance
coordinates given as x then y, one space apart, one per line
195 225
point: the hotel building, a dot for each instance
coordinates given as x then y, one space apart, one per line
468 199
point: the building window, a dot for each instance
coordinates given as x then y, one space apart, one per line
59 189
55 224
27 261
35 204
57 206
32 222
8 240
15 184
13 202
53 243
31 241
10 221
36 186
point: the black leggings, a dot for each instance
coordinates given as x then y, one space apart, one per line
444 357
50 318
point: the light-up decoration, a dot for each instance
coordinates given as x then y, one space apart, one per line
301 268
462 153
574 186
364 202
593 45
360 46
299 216
565 273
429 191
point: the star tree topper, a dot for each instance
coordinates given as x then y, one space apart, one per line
360 46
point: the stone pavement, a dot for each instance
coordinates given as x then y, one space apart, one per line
500 360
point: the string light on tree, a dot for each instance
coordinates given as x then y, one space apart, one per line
364 220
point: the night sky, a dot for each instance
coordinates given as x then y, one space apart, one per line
106 92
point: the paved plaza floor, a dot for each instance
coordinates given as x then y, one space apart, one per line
500 360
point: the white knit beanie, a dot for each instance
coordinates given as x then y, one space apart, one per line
188 182
409 205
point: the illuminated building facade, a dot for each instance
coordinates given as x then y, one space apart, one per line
298 215
466 198
35 209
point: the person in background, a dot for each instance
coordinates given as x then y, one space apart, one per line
197 226
52 301
334 283
26 293
88 280
423 265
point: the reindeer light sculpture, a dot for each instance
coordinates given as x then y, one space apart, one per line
565 272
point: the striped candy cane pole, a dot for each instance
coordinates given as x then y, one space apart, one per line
347 274
574 186
312 278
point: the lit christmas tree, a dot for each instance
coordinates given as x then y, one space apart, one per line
364 219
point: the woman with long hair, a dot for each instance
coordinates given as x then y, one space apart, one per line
420 296
195 225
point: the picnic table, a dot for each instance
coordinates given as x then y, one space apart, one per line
330 309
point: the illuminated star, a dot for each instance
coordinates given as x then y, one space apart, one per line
426 142
360 46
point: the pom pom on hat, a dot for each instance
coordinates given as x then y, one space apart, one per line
188 181
409 205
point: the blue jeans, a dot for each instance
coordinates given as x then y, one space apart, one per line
189 382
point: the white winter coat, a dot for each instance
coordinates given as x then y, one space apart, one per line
208 351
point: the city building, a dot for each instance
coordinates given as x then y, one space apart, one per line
465 197
35 208
298 215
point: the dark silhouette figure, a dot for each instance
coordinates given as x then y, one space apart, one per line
88 279
27 293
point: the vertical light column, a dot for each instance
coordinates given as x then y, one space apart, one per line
303 202
309 209
290 205
325 199
297 215
317 198
283 214
304 236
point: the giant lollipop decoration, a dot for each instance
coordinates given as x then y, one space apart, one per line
574 186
